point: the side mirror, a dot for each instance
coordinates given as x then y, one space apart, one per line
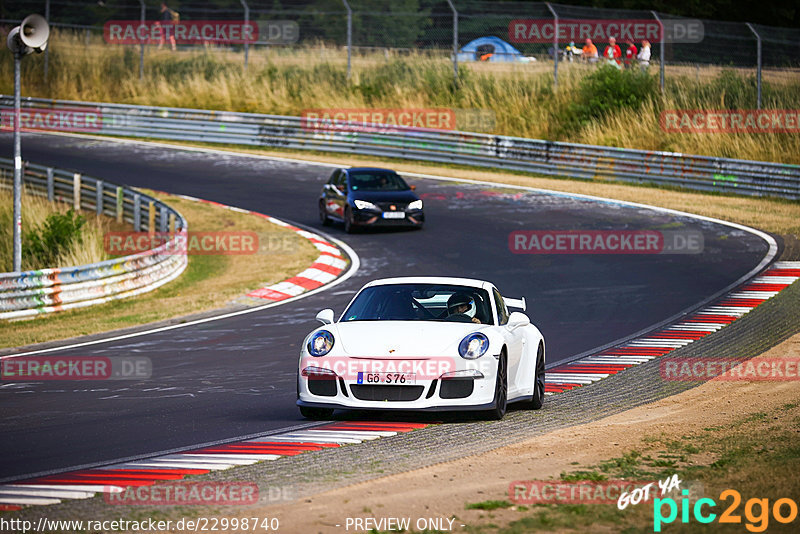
517 319
325 316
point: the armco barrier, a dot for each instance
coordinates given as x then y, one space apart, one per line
484 150
48 290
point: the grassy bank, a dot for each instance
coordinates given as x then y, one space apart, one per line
209 282
52 235
586 108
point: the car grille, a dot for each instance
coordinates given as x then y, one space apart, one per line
386 206
386 393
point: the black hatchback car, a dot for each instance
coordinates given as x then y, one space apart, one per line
366 196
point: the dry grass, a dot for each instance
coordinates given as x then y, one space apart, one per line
210 281
287 81
35 210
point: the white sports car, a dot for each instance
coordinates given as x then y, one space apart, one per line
423 343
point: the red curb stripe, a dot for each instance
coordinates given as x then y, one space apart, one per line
332 255
279 452
91 482
324 267
169 470
304 282
10 507
320 241
293 443
269 294
765 287
378 423
239 447
782 272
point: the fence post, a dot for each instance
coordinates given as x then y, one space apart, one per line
246 23
120 204
661 61
46 50
99 197
162 227
51 188
137 212
758 68
555 44
455 41
349 34
76 191
141 46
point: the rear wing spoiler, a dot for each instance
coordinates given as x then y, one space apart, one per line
519 304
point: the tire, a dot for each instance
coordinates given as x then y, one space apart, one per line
323 214
537 399
316 414
349 227
500 391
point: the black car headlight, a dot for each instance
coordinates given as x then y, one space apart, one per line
320 343
473 346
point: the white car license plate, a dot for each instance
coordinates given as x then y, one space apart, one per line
394 215
386 378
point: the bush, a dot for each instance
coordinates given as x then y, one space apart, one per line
601 93
44 244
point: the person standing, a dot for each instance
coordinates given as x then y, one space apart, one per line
613 53
644 55
589 52
630 54
168 19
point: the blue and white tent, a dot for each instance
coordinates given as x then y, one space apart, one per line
491 49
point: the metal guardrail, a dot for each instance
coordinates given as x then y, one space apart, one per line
35 292
483 150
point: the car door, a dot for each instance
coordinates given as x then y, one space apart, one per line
515 342
334 194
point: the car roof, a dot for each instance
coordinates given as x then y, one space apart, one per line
365 169
467 282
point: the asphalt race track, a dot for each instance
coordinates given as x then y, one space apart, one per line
236 376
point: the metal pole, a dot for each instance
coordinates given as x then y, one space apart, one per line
141 51
17 170
246 22
661 65
349 34
46 50
758 71
555 44
455 41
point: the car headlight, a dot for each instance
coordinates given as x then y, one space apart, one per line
416 205
320 343
473 346
364 205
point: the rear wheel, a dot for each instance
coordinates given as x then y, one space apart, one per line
538 387
316 413
500 391
323 214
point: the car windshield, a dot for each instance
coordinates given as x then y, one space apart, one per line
377 181
421 302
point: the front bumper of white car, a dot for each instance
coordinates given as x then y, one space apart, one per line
327 389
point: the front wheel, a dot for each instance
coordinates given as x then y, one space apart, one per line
500 392
538 387
349 227
316 414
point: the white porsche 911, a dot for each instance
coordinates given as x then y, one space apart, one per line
423 343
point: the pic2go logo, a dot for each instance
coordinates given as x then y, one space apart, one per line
756 511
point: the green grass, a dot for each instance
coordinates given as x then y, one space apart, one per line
488 505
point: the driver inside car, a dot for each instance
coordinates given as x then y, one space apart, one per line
457 307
